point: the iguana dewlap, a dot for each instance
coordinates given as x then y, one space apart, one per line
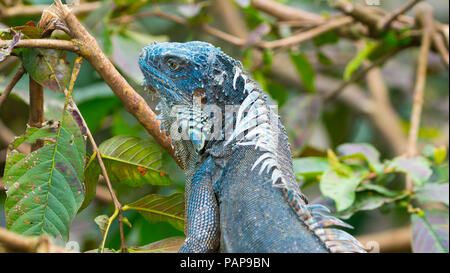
241 192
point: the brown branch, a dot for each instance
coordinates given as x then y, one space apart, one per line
43 43
133 102
2 186
425 17
116 202
13 242
35 10
232 39
439 45
395 240
36 109
386 22
385 116
284 12
6 136
133 17
307 35
74 107
229 16
17 76
360 74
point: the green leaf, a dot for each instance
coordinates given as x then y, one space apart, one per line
50 68
267 57
91 175
418 168
341 188
168 245
305 70
45 189
337 166
155 208
324 59
381 190
434 192
310 167
277 92
133 161
363 151
430 232
356 62
441 172
437 154
367 200
329 37
102 222
440 154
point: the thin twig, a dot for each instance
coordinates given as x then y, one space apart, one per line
13 242
360 74
386 117
6 136
307 35
72 104
35 10
17 76
386 22
392 240
43 43
282 11
438 43
426 18
132 101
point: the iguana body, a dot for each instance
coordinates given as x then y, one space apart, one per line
241 192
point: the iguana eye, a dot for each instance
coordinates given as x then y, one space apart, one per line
173 65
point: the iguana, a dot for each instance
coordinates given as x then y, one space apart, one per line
241 192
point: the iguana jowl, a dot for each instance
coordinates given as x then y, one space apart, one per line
241 192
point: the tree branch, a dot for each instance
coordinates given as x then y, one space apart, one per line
43 43
13 242
35 10
386 118
395 240
307 35
360 74
425 16
14 80
74 107
386 22
36 109
133 102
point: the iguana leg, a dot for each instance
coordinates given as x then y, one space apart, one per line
202 230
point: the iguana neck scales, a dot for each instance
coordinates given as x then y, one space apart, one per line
241 192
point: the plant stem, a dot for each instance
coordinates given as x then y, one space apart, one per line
426 17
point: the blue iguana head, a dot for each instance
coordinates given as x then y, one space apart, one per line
181 72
